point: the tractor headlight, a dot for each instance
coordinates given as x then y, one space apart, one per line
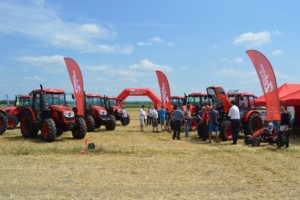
69 114
102 112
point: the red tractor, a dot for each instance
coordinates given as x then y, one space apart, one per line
178 101
96 115
251 119
49 113
196 101
14 112
113 108
3 121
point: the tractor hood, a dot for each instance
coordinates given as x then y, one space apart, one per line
67 111
100 109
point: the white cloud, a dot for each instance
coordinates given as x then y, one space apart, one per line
34 78
277 52
253 39
42 60
238 60
149 66
101 68
37 20
237 73
154 40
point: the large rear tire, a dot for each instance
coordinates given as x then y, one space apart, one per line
226 131
79 131
3 124
90 123
28 128
253 124
12 121
48 130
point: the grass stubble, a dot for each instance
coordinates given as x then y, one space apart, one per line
129 164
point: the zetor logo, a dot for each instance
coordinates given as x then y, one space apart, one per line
77 87
267 84
137 92
164 94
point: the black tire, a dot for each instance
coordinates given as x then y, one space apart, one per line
202 131
194 123
248 140
111 124
127 119
97 124
79 131
253 124
28 128
225 131
255 142
48 130
3 123
12 121
90 123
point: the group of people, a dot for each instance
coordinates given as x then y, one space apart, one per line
208 118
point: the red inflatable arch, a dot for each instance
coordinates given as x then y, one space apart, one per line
138 92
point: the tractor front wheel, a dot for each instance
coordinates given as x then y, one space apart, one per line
111 124
12 121
28 128
128 119
226 131
3 124
48 130
79 131
90 123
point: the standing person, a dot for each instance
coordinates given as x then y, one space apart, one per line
149 116
234 114
284 128
124 116
162 117
142 118
213 116
168 120
187 118
155 120
177 116
203 121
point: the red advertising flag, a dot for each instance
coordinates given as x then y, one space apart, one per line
164 89
268 83
77 83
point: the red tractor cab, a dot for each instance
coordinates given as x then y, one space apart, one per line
196 101
96 115
3 121
251 119
178 101
14 112
48 112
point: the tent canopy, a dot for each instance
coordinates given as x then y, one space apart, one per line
289 95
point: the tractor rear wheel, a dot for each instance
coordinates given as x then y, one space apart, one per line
97 124
28 128
48 130
255 142
90 123
226 131
111 124
202 130
3 124
79 131
253 124
12 121
248 140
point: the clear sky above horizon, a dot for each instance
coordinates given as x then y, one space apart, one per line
119 44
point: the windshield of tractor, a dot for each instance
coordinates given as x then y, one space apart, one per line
93 101
24 102
54 99
112 102
177 101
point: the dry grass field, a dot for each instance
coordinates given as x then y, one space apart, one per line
129 164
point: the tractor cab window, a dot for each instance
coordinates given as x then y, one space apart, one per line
93 101
243 102
113 102
54 99
25 102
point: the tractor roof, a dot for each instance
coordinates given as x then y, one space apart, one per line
240 94
50 90
24 96
177 97
93 95
199 94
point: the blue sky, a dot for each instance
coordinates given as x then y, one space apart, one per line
119 44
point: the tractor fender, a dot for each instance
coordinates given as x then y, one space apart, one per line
247 115
33 114
3 112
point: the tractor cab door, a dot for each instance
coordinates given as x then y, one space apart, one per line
36 103
219 98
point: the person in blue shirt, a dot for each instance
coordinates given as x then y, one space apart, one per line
162 117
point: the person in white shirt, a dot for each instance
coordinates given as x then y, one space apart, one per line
142 118
124 117
234 114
